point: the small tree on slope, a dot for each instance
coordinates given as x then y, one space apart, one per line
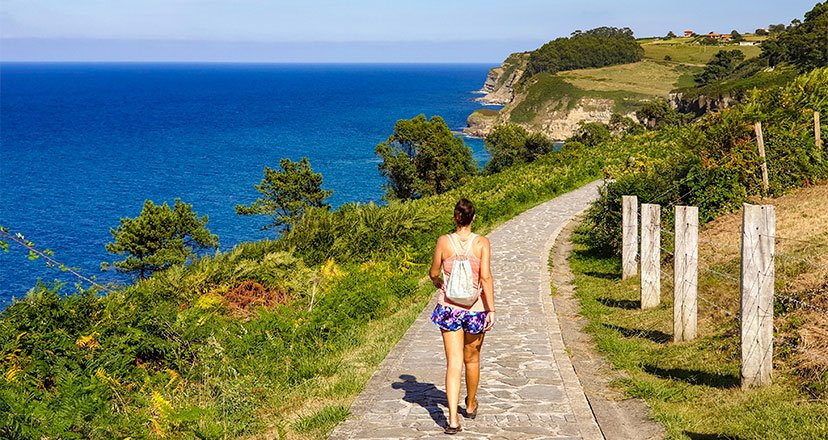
159 238
287 193
423 157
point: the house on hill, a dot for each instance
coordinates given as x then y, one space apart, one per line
714 35
688 33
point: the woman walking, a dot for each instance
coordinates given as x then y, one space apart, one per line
463 314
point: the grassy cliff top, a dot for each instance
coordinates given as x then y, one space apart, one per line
648 77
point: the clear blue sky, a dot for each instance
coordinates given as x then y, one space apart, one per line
341 30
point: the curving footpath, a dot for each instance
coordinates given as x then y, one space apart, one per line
528 387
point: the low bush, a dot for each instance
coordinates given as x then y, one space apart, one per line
714 163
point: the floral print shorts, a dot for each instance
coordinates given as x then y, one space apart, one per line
451 319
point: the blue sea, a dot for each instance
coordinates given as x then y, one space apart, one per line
83 145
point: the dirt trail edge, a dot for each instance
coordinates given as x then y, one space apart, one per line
619 418
528 385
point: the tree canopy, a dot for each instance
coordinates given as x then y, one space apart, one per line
658 113
159 238
597 47
720 66
423 157
286 193
510 144
804 45
591 134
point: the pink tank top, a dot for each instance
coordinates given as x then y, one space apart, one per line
478 305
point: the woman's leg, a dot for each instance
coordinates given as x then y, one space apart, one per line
471 357
453 342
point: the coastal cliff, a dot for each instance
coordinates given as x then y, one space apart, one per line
545 103
499 85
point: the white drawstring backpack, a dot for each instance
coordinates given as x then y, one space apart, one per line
460 287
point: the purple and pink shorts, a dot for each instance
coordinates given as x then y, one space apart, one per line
451 319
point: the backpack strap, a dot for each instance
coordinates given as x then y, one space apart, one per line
453 246
471 242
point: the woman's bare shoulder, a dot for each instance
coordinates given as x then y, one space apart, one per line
442 241
481 243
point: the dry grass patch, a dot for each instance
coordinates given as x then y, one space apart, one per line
246 296
801 248
645 78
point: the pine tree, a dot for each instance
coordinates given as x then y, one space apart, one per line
159 238
287 193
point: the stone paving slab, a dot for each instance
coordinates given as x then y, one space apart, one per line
528 388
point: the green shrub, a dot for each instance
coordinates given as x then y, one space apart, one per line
715 163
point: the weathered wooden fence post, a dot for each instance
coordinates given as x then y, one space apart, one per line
650 255
758 230
761 141
685 273
817 130
629 239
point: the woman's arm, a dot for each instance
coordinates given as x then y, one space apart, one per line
486 281
436 262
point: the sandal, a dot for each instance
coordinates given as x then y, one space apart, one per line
451 430
471 415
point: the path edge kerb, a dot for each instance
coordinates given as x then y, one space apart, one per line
587 422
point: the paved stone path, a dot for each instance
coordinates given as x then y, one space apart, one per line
528 388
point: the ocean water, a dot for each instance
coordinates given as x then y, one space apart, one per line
83 145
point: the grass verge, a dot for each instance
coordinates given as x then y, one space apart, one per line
312 409
693 387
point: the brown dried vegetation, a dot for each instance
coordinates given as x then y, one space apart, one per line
801 249
246 296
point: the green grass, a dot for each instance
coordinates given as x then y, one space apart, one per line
544 92
324 420
693 54
691 387
645 78
486 112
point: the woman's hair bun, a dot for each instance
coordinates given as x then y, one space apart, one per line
463 212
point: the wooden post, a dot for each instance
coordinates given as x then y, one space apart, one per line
758 229
817 130
685 273
629 239
761 141
650 255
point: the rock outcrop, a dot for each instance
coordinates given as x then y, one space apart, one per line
558 120
480 122
499 85
701 104
563 123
